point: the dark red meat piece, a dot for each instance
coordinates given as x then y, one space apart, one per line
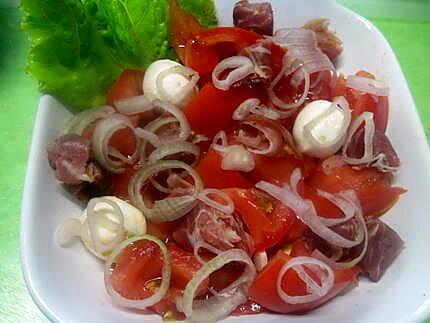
257 17
327 41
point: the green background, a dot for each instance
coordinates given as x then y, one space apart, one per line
406 25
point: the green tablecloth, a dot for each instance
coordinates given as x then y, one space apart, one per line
18 101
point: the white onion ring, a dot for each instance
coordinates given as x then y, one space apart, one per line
220 306
170 208
367 85
286 70
313 288
134 105
227 207
100 141
93 218
253 106
305 211
175 147
351 197
183 97
349 209
369 133
179 115
260 260
273 136
242 67
79 122
165 275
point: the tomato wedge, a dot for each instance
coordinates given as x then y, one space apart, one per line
183 27
267 220
211 109
360 101
278 169
209 46
128 84
138 269
212 175
372 187
264 292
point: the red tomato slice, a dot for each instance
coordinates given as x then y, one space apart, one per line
128 84
139 266
183 27
204 52
120 183
212 175
211 109
264 292
372 187
267 220
278 169
360 102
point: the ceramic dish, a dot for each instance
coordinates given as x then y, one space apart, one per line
67 284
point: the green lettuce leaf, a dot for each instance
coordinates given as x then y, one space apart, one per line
79 47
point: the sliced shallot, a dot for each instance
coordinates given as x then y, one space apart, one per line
169 208
205 197
242 67
79 122
134 105
253 106
166 271
100 142
316 289
367 85
224 302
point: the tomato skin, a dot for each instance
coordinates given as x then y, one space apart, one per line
120 183
264 292
183 27
211 109
212 175
204 51
141 263
373 188
278 170
360 102
128 84
267 220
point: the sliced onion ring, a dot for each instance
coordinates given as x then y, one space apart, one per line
253 106
227 207
100 141
179 115
220 306
315 290
306 212
367 85
369 133
79 122
286 70
351 197
242 67
169 208
134 105
173 148
165 275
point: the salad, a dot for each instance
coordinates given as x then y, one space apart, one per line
249 176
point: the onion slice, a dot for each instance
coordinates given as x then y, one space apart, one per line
288 67
223 303
242 67
169 208
253 106
316 290
367 85
205 197
173 148
134 105
79 122
306 212
100 142
165 275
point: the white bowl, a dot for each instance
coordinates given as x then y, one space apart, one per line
67 284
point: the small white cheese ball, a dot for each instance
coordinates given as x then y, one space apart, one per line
172 84
320 129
